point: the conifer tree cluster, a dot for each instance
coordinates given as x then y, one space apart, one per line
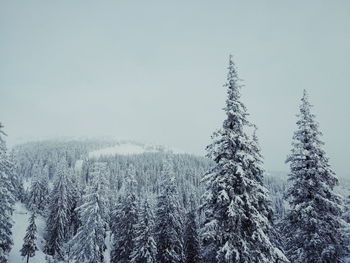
168 225
153 208
145 247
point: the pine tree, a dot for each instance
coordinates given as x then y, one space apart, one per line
6 201
75 199
123 237
29 246
99 170
39 192
169 234
16 180
312 226
191 238
346 214
346 226
145 249
88 245
238 224
57 224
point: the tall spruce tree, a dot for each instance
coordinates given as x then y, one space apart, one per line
312 226
346 214
99 170
75 200
192 249
6 200
88 245
145 249
39 191
238 224
124 235
346 226
16 180
169 232
29 246
57 225
75 192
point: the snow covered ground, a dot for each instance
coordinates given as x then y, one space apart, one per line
125 149
21 217
129 148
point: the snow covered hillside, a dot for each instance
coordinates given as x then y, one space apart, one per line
77 163
41 165
126 148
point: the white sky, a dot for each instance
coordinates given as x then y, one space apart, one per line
153 70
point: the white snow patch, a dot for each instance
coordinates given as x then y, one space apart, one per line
123 149
78 165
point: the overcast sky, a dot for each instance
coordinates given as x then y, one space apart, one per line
153 71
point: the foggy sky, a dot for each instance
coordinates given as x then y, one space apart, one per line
153 71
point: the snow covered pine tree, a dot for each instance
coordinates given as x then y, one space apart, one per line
57 224
346 227
312 226
16 180
88 245
39 191
6 201
145 249
29 246
192 249
168 220
123 238
75 193
238 225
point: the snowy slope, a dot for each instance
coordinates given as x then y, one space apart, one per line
124 149
21 218
129 148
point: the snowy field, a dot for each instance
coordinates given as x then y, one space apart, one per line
130 148
125 149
